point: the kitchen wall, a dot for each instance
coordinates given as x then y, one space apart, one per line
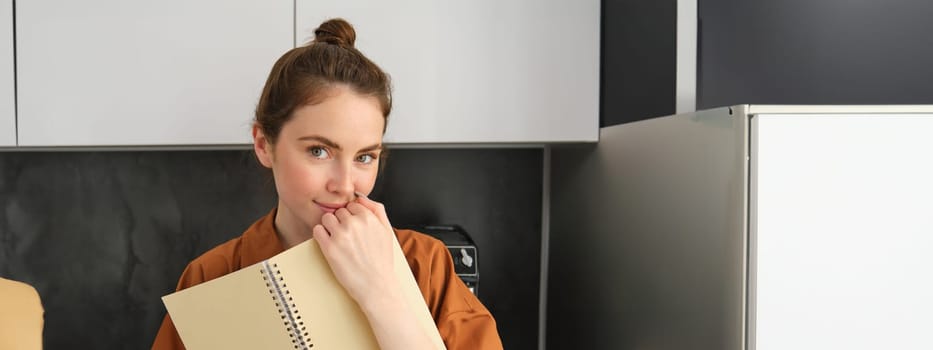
102 235
814 52
766 52
637 60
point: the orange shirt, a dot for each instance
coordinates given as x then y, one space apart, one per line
463 322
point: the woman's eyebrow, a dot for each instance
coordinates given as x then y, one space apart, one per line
377 146
327 142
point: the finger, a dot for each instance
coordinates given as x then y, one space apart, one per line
375 207
357 209
343 215
330 222
320 234
363 213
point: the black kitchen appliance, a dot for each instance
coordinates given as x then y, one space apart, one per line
462 250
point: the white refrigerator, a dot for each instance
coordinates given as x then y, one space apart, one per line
753 227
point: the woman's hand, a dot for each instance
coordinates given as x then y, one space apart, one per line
358 244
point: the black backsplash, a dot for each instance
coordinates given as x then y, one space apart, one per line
103 235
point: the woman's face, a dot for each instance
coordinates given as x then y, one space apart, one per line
324 154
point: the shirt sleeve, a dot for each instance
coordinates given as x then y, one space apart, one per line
462 320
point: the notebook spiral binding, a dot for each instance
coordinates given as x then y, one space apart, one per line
287 309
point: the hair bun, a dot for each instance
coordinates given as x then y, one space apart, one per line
336 31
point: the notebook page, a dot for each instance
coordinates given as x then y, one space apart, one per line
235 311
336 320
332 317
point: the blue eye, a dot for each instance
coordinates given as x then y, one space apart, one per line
365 158
318 152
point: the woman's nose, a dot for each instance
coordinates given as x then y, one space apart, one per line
341 180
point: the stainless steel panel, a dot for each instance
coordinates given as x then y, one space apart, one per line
647 236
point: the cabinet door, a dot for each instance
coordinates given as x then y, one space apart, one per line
168 72
479 71
7 84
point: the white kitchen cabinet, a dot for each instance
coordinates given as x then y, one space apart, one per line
481 71
7 82
138 73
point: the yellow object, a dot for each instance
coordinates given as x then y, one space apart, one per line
21 316
257 306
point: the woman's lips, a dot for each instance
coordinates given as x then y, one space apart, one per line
330 207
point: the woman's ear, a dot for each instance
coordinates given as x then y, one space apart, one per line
262 147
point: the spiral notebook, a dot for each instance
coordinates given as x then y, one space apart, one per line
290 301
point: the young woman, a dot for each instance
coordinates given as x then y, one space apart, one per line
319 127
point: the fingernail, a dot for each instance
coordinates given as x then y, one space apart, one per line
358 195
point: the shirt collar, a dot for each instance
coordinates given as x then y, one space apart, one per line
260 241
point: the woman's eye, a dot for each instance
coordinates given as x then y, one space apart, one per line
318 152
365 158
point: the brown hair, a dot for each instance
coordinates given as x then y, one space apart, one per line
305 74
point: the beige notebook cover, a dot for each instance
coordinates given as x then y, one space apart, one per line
303 306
